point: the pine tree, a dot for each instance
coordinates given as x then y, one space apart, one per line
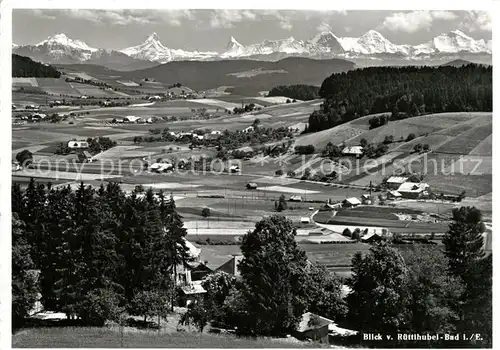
32 215
54 244
464 240
17 199
467 261
24 280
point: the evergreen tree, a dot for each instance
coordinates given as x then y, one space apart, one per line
24 277
464 240
464 249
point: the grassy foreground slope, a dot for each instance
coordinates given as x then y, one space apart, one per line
88 337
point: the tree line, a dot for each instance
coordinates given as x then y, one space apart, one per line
403 92
98 252
25 67
297 92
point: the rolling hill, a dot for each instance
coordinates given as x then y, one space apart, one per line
25 67
460 143
246 77
456 63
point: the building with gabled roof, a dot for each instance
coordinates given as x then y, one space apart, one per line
393 194
251 186
313 327
353 151
231 266
413 190
351 202
395 181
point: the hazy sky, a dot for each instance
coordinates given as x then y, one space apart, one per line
206 30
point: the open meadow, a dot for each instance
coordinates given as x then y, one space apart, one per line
88 337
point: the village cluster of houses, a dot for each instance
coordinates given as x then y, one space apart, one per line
132 119
212 135
173 95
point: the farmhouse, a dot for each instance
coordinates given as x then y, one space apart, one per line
371 238
85 157
185 135
78 144
353 151
16 166
393 195
395 181
251 186
192 291
305 220
160 167
351 202
313 327
234 169
334 205
366 199
247 150
231 266
413 190
132 119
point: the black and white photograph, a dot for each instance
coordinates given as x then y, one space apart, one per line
250 177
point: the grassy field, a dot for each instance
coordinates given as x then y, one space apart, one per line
89 337
335 257
465 142
392 225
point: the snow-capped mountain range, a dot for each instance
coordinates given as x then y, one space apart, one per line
61 49
153 50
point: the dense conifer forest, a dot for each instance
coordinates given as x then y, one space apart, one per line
24 67
403 92
298 92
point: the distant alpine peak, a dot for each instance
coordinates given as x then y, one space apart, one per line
62 39
233 46
373 32
153 37
323 37
372 35
459 32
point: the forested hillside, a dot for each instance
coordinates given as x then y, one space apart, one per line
403 92
298 92
25 67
